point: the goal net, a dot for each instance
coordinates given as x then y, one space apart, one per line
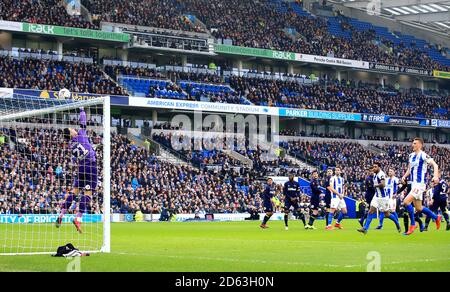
54 174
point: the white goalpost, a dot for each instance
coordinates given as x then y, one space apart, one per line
54 174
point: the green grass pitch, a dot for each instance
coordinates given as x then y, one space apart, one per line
243 246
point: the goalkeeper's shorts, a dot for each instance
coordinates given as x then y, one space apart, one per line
87 177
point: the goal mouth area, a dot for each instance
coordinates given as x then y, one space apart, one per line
41 166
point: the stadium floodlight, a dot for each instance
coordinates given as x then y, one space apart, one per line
54 163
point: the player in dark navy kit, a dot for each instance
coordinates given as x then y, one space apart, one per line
315 199
267 196
439 201
291 192
368 195
404 186
327 198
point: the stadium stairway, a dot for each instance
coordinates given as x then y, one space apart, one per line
136 140
107 76
245 160
162 154
293 34
196 22
165 154
374 149
86 13
246 101
298 163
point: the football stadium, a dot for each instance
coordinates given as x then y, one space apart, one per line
224 136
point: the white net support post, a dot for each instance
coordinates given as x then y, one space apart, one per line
106 247
54 174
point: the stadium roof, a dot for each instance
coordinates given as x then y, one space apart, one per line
430 14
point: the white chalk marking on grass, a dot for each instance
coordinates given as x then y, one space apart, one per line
282 262
418 261
244 260
310 241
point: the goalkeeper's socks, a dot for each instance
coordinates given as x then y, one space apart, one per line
286 220
63 212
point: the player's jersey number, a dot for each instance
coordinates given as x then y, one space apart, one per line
80 152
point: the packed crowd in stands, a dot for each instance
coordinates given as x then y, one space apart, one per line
42 12
262 24
259 24
143 182
155 13
54 75
115 71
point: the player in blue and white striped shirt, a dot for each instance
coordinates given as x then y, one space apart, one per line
417 171
381 200
391 190
337 189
